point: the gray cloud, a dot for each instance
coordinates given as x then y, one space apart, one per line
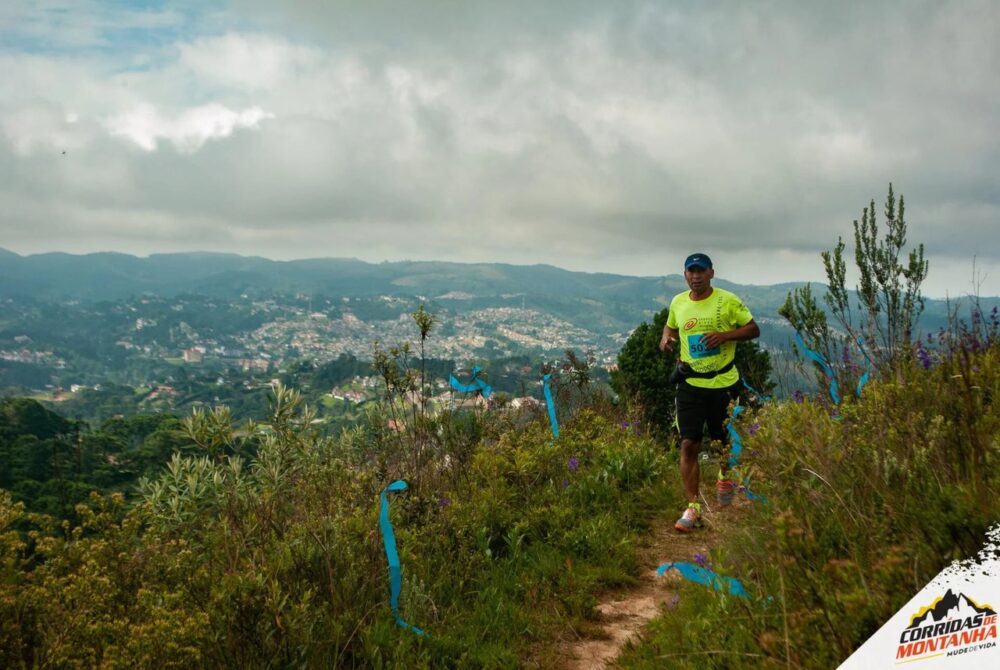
586 136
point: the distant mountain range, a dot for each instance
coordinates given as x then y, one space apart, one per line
613 300
107 276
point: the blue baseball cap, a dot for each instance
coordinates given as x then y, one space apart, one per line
698 260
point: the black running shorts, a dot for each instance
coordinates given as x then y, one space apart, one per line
697 407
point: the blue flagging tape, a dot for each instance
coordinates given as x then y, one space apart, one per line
700 575
475 384
868 371
736 450
763 398
551 405
389 540
823 364
737 444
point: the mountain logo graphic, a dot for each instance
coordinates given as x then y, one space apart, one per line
948 606
951 625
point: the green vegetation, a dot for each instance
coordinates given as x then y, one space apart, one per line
272 559
889 302
867 501
865 507
261 547
51 463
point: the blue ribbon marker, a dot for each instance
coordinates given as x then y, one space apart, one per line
551 405
389 540
736 451
700 575
737 444
475 384
763 398
823 364
867 374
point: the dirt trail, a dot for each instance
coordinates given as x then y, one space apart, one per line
622 614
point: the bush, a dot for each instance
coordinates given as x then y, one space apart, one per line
264 550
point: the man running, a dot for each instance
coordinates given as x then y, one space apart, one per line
708 322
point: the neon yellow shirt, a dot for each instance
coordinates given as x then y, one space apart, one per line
721 311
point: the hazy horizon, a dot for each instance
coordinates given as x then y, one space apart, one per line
667 272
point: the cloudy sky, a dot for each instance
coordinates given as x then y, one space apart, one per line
590 135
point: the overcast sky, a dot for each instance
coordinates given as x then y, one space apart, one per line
599 136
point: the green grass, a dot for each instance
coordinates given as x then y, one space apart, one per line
863 511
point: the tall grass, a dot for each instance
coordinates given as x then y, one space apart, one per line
867 503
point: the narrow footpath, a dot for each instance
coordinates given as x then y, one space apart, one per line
623 614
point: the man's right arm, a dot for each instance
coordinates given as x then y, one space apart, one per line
669 337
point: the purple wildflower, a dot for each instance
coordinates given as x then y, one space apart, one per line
923 356
701 559
443 502
754 428
799 398
573 464
970 342
673 602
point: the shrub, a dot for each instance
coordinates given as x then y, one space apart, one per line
263 550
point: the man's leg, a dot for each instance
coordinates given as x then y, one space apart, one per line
690 469
690 419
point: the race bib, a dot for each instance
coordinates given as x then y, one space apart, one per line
699 350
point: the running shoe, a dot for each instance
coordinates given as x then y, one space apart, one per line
725 489
691 518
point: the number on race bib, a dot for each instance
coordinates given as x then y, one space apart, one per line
698 349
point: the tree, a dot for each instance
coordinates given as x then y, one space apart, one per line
425 321
643 374
888 293
27 416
